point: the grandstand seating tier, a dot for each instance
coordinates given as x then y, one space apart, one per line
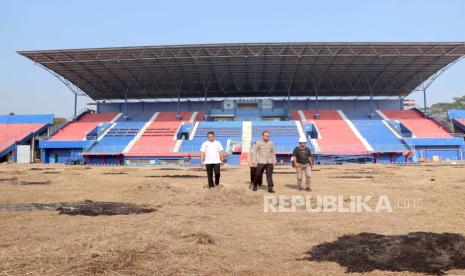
195 144
379 136
76 131
336 137
97 117
157 139
11 133
295 115
420 126
171 116
117 138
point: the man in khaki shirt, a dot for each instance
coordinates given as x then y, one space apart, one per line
253 167
264 158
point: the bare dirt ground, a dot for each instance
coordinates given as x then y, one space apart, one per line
196 231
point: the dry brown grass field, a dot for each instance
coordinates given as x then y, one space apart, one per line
225 231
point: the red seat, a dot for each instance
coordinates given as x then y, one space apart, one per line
11 133
78 130
336 136
157 139
420 126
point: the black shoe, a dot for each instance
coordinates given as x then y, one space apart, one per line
254 188
308 189
271 191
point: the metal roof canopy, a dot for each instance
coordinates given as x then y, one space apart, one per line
250 69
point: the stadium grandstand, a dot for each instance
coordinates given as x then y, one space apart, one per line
155 104
19 136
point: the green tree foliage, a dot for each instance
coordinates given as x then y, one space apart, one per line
439 110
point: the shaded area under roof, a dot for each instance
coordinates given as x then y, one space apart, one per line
250 69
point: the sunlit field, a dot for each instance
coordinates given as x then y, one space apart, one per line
175 226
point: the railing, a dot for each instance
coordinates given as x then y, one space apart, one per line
437 135
282 148
52 130
80 112
71 137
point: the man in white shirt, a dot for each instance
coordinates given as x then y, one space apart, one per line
212 155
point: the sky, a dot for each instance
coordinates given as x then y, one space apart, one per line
38 25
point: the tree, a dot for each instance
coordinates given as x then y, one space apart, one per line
439 110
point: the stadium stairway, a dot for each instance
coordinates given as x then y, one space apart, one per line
336 134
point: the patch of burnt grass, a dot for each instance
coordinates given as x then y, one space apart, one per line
202 169
353 176
51 172
15 181
8 179
46 182
40 169
278 172
174 176
110 173
420 252
364 172
84 208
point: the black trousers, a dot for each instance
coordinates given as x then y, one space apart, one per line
253 170
268 168
210 168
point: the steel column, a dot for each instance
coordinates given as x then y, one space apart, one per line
125 107
289 115
424 102
75 105
371 105
178 116
317 106
206 105
371 97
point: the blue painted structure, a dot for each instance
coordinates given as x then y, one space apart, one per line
45 119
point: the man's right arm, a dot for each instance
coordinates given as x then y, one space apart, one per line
202 154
